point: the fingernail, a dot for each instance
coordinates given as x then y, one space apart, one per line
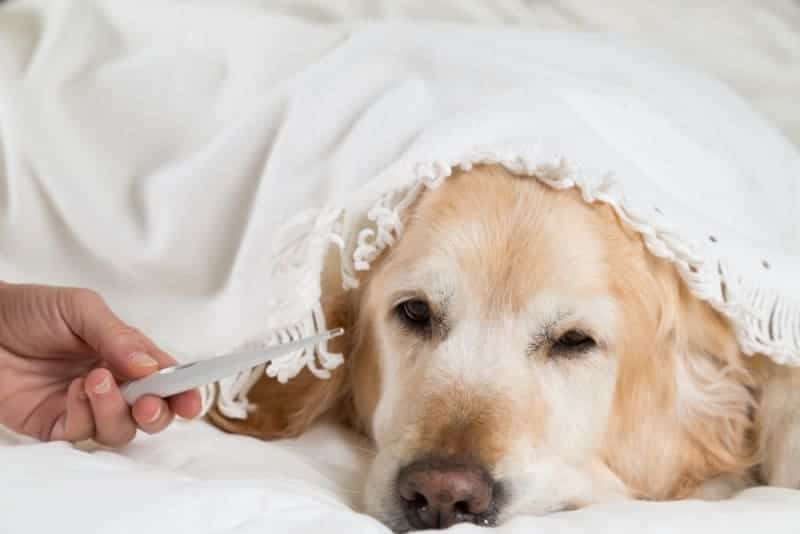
155 416
141 359
103 387
82 390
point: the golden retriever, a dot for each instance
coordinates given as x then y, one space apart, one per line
518 351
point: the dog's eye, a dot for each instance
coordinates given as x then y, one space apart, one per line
415 313
573 342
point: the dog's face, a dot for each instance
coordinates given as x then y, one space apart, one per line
523 353
517 351
496 326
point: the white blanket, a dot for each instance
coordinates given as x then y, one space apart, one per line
199 481
151 149
752 45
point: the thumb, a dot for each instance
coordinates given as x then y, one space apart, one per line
128 353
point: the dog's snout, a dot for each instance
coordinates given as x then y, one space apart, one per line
441 493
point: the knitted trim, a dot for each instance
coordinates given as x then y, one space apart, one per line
765 321
299 250
230 394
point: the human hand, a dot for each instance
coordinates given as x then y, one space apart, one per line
62 354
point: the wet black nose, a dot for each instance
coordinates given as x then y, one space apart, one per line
441 493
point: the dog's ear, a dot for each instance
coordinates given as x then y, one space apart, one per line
683 393
287 410
715 392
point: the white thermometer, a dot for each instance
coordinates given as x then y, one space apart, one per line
173 380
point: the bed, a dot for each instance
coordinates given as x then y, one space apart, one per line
166 260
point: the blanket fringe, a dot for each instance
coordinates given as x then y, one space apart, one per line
302 254
765 321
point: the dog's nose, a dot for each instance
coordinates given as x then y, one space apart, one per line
439 493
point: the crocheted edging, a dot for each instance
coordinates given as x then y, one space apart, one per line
765 321
230 394
302 254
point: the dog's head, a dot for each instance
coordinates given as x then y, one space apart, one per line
518 351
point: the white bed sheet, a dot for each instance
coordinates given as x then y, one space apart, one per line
196 479
192 478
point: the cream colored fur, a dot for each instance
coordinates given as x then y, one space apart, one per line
663 406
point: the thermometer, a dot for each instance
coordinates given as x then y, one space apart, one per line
177 379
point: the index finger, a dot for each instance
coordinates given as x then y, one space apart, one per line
128 353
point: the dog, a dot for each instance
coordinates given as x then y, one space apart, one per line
519 351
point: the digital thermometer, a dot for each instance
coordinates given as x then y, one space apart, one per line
173 380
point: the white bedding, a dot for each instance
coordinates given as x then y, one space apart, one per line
199 481
194 478
753 45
